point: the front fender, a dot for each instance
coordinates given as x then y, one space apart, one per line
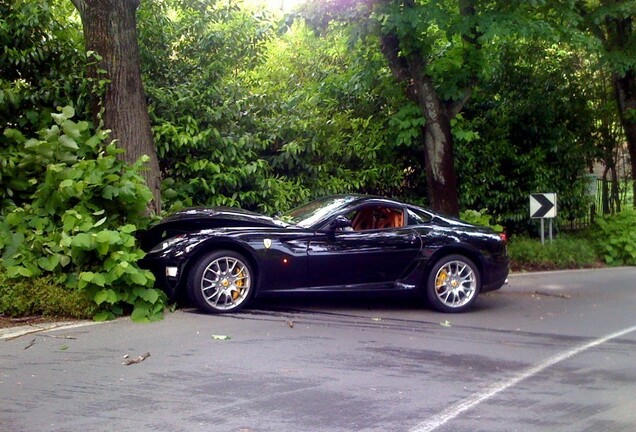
172 264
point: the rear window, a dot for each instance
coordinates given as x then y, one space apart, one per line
418 217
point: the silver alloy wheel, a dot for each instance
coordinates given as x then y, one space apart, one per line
225 283
455 284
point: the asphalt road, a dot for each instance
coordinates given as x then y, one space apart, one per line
550 352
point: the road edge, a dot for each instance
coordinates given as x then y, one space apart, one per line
11 333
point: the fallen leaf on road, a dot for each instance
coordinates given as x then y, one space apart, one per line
445 323
221 337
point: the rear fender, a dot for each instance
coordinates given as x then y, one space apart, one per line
464 250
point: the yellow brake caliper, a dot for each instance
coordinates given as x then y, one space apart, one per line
441 280
239 283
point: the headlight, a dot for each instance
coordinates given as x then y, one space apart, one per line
166 244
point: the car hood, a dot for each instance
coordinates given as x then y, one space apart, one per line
204 218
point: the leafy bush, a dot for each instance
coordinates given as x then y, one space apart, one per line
264 125
78 228
481 217
40 63
615 238
563 253
332 120
199 111
42 296
532 122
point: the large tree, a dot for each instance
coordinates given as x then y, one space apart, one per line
110 32
409 50
434 49
612 21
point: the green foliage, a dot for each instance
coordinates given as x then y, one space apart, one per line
200 112
267 122
615 238
564 252
41 63
612 22
41 66
333 120
42 296
439 34
78 225
532 127
481 217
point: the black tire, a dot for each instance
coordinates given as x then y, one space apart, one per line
453 284
221 282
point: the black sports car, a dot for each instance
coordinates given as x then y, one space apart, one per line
224 257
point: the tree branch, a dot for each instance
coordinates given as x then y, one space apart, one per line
468 11
81 7
390 47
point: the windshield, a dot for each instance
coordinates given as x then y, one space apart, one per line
312 213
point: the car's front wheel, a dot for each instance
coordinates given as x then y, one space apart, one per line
221 281
453 284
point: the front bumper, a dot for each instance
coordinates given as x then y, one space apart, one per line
168 275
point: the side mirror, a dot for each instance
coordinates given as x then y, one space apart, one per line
339 221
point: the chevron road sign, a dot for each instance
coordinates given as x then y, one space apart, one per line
543 205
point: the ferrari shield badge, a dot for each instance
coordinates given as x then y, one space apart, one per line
268 243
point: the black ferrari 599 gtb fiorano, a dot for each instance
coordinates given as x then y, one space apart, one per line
223 257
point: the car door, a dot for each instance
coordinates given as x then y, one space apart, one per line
368 258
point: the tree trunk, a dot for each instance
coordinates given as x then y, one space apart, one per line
441 180
618 39
626 97
409 66
110 30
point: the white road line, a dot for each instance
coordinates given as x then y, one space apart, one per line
457 409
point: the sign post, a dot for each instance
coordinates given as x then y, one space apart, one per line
543 206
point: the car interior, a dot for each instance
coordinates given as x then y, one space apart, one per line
377 217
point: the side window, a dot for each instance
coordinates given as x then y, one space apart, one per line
417 218
376 217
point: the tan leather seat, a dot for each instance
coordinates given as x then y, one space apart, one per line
363 220
377 218
390 219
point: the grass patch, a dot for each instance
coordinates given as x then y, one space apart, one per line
565 252
610 241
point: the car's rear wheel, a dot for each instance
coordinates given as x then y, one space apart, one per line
221 281
453 284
